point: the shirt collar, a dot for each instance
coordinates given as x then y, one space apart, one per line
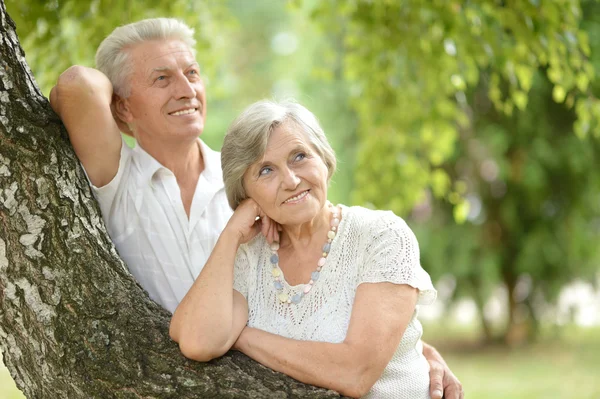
148 165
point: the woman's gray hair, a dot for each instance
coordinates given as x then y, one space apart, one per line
246 141
113 59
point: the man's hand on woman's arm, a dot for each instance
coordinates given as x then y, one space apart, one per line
443 381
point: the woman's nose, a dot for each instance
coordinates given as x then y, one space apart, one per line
290 179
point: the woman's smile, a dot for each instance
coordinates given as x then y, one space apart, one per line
297 198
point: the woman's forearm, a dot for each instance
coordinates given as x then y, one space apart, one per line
340 367
205 320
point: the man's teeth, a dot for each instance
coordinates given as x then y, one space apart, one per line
184 112
296 198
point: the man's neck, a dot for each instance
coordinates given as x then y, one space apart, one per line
186 162
183 158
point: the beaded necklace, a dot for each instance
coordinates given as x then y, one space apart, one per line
295 295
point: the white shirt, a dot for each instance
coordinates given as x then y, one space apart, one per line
146 220
370 247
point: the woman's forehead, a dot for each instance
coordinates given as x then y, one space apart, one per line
285 138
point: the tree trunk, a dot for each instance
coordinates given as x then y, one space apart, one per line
479 299
73 322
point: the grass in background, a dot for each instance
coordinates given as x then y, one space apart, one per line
561 366
557 367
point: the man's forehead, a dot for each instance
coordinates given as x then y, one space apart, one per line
162 54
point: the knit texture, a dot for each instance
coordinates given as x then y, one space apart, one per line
370 247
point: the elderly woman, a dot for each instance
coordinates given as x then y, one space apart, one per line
327 294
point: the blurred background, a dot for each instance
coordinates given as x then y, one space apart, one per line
476 121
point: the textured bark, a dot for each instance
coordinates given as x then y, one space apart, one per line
73 322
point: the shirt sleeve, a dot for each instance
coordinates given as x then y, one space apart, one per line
392 255
241 271
106 194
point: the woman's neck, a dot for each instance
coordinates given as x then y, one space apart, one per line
300 237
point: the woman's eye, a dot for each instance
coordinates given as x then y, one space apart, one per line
264 171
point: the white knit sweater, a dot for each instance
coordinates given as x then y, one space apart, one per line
370 247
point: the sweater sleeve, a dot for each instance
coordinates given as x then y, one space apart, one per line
392 255
241 271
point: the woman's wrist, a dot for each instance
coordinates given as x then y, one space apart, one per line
240 343
231 236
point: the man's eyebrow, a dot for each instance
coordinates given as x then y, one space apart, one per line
166 68
160 69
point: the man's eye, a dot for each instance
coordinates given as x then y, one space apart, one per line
300 156
161 77
193 72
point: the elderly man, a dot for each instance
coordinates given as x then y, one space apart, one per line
163 202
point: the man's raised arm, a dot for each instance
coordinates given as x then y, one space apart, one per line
82 98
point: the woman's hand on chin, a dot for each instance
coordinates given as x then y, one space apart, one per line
248 220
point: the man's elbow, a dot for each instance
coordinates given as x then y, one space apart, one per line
79 82
72 77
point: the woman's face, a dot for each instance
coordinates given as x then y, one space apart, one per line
290 182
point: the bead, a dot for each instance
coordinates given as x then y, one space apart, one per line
297 298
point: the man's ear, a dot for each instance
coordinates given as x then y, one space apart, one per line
122 114
121 108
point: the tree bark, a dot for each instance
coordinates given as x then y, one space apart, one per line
73 322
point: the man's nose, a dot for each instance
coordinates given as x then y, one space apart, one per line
184 88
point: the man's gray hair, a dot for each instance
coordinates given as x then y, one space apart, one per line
113 59
246 141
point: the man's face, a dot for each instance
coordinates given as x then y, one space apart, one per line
167 98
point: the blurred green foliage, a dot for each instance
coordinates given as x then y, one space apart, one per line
482 113
410 64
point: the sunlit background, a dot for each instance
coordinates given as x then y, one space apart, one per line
475 121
